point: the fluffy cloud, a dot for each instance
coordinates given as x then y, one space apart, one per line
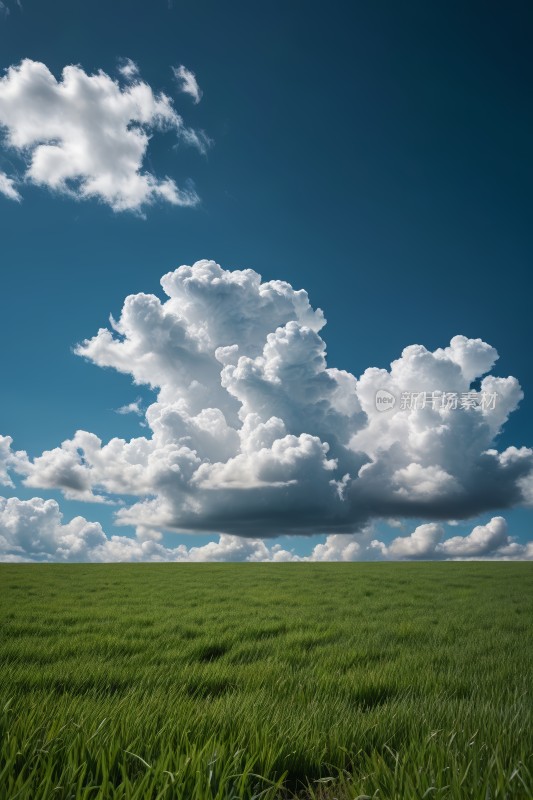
253 435
11 461
33 530
6 462
337 547
128 69
421 543
187 82
87 135
485 541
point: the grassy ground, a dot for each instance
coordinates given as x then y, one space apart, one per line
261 680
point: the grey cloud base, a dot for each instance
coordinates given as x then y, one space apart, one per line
254 435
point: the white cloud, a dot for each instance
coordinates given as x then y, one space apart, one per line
5 460
337 547
33 530
131 408
489 541
7 188
128 69
11 461
421 543
187 82
416 480
87 135
484 540
282 464
251 434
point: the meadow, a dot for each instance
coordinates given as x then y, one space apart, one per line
227 681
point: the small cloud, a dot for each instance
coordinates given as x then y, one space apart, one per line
7 188
128 69
394 523
187 82
131 408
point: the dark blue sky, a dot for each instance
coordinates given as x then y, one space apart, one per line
376 154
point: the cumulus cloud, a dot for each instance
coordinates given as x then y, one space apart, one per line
485 541
11 461
252 434
6 462
421 543
87 135
187 82
33 530
337 547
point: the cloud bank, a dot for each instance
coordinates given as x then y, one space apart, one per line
427 542
86 136
33 530
253 435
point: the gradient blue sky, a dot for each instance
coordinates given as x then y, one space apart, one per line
376 154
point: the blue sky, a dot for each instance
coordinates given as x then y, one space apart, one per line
377 156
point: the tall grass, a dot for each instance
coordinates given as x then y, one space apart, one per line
261 680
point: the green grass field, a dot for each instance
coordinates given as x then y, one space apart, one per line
266 681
